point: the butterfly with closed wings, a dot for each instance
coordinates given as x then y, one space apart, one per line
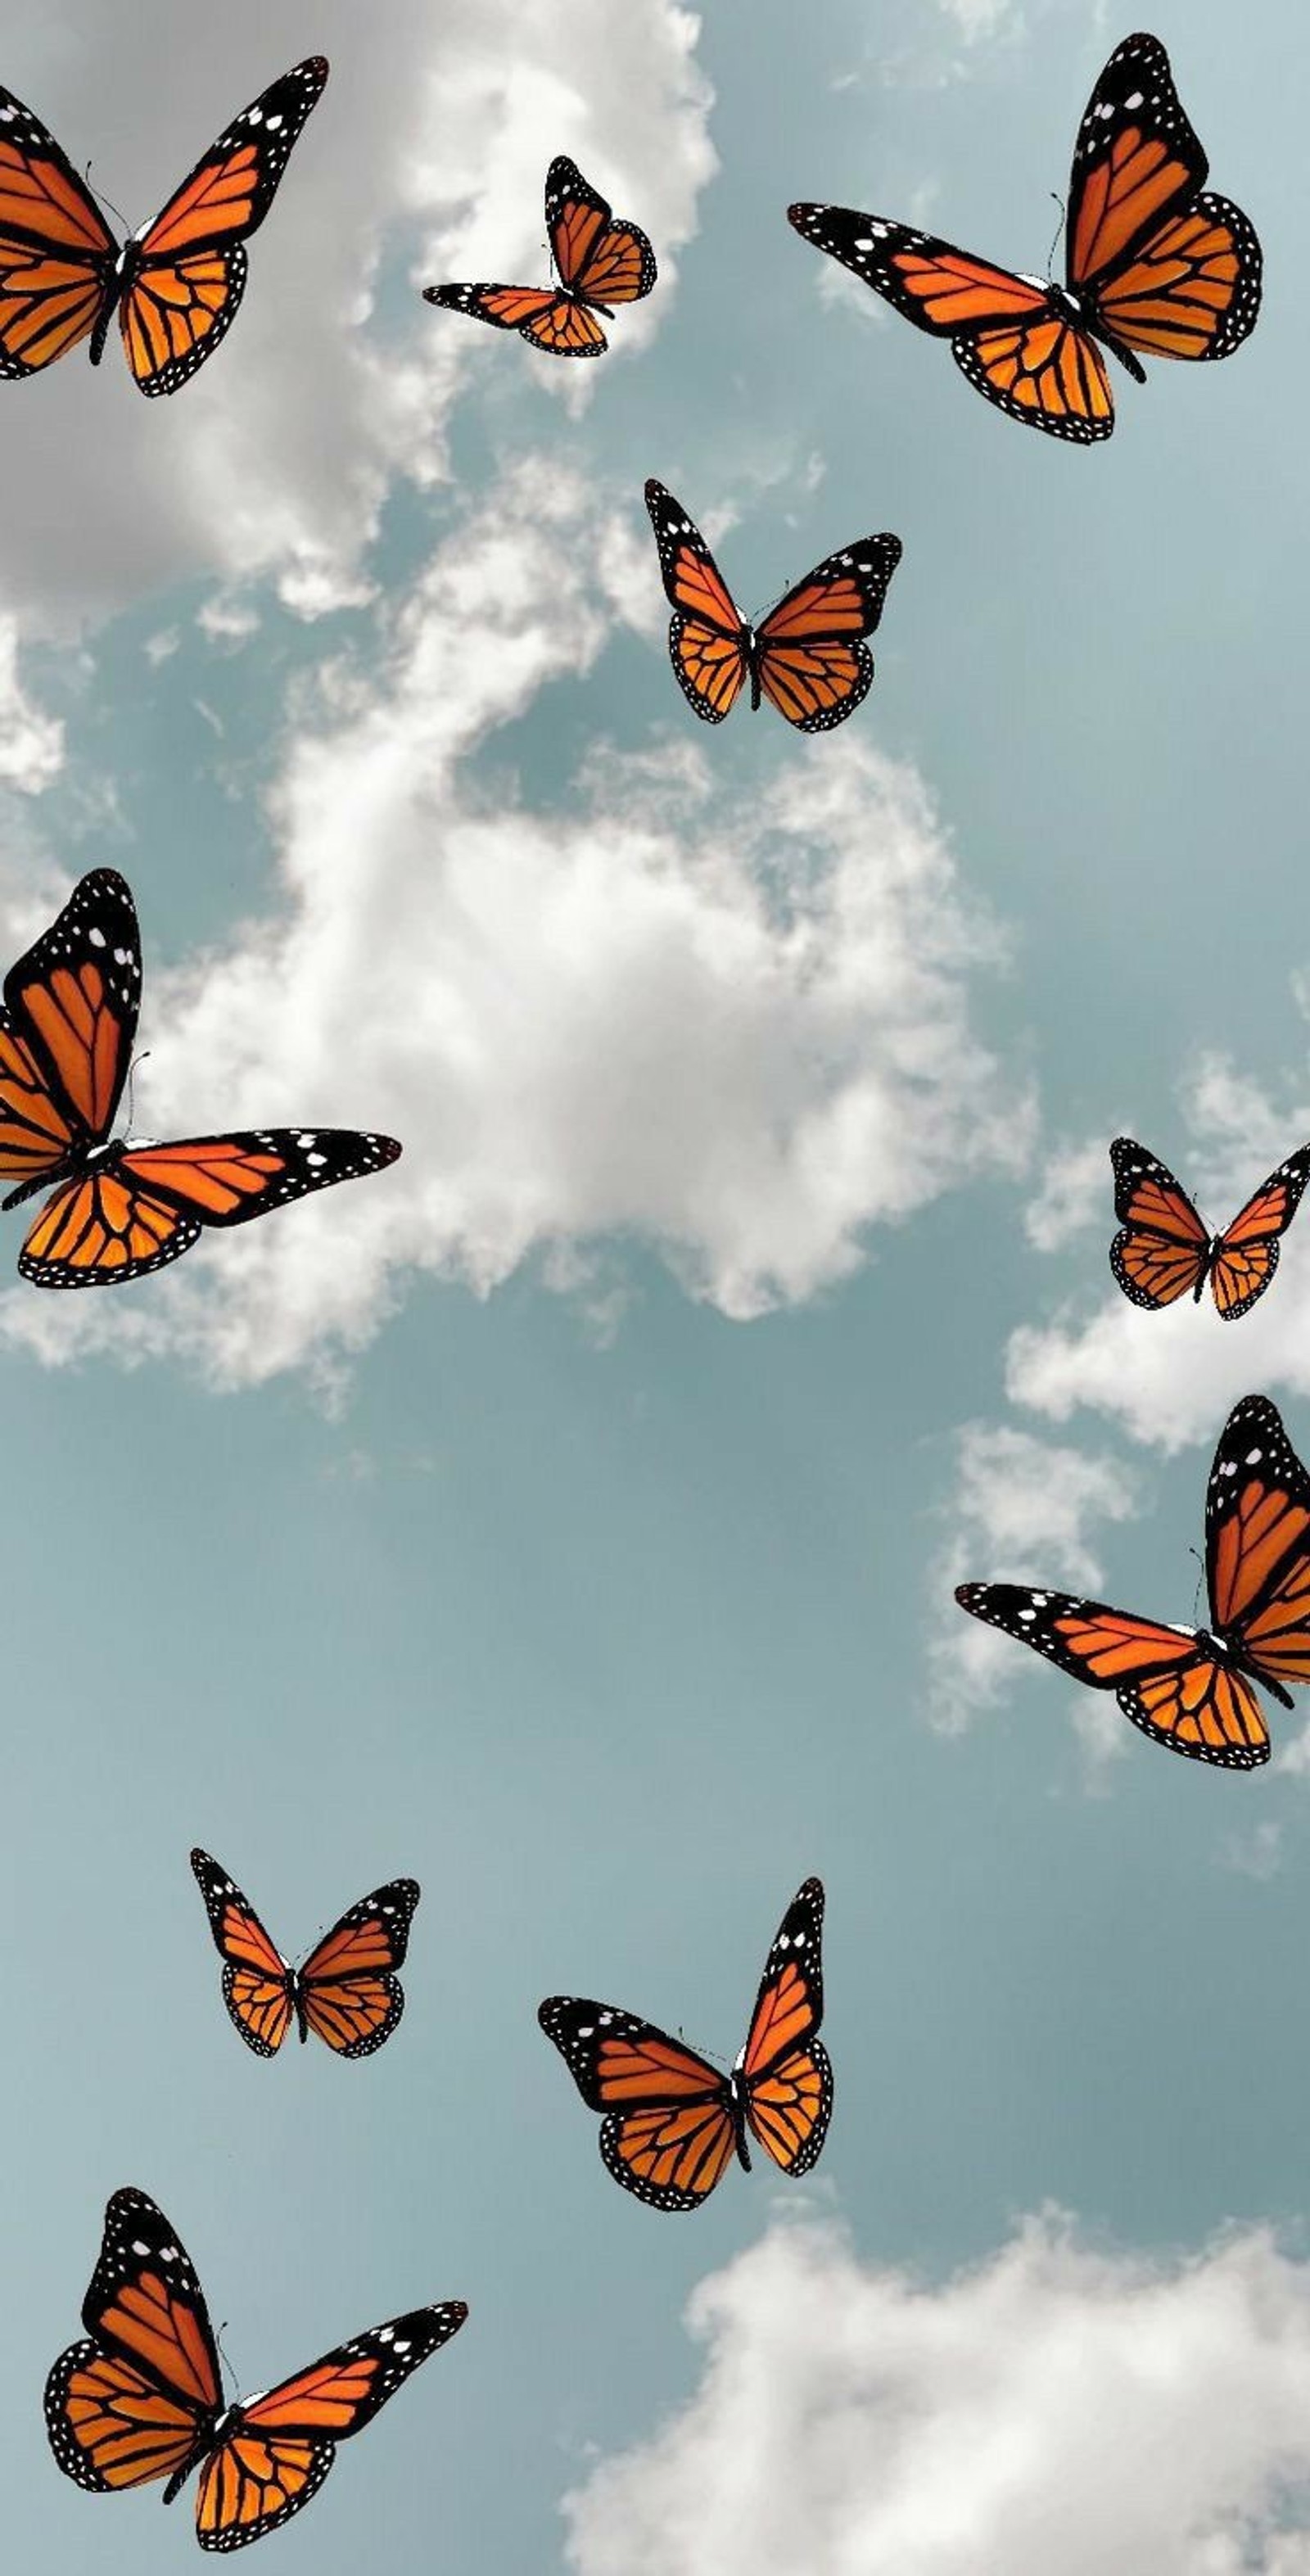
672 2120
176 284
1164 1249
142 2397
1193 1689
122 1207
346 1991
598 264
807 657
1155 266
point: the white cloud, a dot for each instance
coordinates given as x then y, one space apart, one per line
31 744
1056 2408
1171 1378
737 1028
1020 1512
274 464
1073 1194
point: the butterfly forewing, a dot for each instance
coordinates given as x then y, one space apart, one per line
785 2070
257 1985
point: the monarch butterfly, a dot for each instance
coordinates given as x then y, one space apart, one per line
806 657
346 1990
1165 1251
599 264
142 2397
124 1207
672 2120
176 283
1191 1689
1153 263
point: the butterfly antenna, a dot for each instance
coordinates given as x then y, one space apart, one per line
107 201
1059 201
700 2051
1200 1571
222 2355
131 1078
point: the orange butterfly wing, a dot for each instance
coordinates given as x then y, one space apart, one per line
549 320
1168 1681
257 1983
66 1032
1009 335
187 271
1258 1545
282 2444
1163 1250
604 262
668 2132
813 666
148 1203
347 1989
1246 1255
785 2071
133 2402
56 255
707 634
1166 268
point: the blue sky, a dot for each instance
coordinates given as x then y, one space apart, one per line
569 1518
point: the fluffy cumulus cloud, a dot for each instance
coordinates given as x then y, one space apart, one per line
1171 1379
1023 1510
737 1028
424 154
1055 2408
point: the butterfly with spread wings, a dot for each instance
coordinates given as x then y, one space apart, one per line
1164 1250
142 2398
347 1991
672 2120
807 657
1192 1689
1155 265
122 1207
598 264
176 284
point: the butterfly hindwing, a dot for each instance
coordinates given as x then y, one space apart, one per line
283 2444
786 2073
348 1991
668 2132
257 1983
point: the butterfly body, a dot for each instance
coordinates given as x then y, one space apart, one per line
177 281
347 1991
1165 1250
1155 265
807 657
140 2398
1196 1690
672 2120
599 264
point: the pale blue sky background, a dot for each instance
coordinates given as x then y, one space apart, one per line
606 1612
